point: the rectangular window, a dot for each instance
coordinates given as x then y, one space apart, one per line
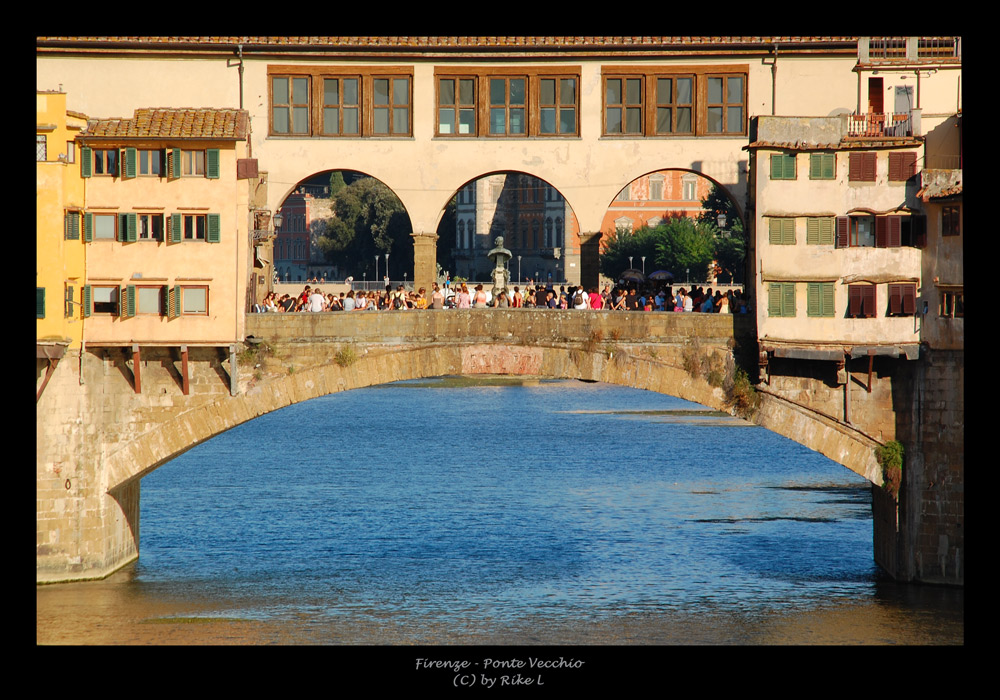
151 162
819 230
819 299
194 227
105 161
104 227
391 106
193 163
902 166
861 167
724 104
341 106
861 300
104 300
41 147
623 105
952 303
71 225
783 166
781 299
150 227
39 302
457 106
902 299
557 106
888 231
781 231
822 166
149 300
194 300
68 292
861 231
508 106
290 104
951 220
674 104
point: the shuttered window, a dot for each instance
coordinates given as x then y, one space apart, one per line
902 166
819 230
822 166
781 231
861 300
40 302
902 299
861 167
819 299
71 225
888 231
782 166
781 299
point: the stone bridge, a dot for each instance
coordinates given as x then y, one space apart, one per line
98 436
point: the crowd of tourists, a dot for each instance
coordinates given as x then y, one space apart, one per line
460 296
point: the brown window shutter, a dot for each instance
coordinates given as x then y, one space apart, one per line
894 224
868 301
918 230
895 167
854 167
854 300
843 229
868 167
909 299
895 299
881 231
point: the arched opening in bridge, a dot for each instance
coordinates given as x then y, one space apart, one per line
341 224
407 511
535 220
674 225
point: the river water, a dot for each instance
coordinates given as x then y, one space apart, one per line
500 512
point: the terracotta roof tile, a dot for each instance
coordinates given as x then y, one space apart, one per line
161 122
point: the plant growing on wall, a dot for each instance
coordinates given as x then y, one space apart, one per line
890 458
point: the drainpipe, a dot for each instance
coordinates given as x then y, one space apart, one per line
240 68
774 82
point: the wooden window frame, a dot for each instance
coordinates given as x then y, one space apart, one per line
160 304
651 102
90 226
725 104
72 224
673 105
952 303
341 105
148 153
628 103
90 303
458 105
536 111
110 160
144 220
507 106
183 288
315 83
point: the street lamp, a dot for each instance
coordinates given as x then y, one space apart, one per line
721 219
387 265
376 271
643 264
630 262
519 269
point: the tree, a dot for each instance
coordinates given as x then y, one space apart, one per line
370 220
684 244
730 251
623 243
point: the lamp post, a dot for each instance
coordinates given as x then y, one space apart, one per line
721 219
376 270
644 265
387 265
630 262
519 269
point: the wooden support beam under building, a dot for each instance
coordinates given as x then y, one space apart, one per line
136 361
871 362
185 380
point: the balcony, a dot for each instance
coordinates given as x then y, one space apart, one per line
880 126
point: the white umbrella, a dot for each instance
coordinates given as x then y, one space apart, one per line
661 275
633 275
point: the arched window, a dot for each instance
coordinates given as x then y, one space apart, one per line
559 232
461 234
548 232
536 243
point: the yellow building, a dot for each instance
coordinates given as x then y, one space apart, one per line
167 228
59 200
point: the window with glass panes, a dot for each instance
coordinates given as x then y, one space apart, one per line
557 106
457 106
508 106
623 105
290 104
674 104
390 106
341 106
724 104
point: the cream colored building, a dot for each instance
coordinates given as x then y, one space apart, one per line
166 227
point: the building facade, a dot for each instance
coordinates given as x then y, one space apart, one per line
655 198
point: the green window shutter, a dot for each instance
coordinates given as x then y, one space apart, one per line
86 162
782 166
819 230
86 301
214 234
175 228
819 299
212 163
827 291
130 163
72 226
774 300
88 227
130 221
40 302
781 231
127 302
812 231
822 166
826 230
175 162
812 299
788 299
174 302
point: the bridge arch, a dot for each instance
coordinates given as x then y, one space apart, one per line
329 375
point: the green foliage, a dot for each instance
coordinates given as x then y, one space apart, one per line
345 356
730 246
743 396
370 220
890 458
677 245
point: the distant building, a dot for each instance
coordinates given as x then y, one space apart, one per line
655 198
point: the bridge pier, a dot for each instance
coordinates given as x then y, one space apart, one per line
424 261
